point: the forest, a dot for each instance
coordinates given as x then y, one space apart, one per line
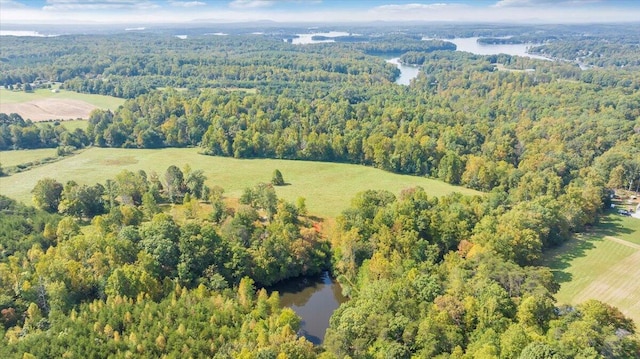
153 264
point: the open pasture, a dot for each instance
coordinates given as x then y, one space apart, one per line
14 158
327 187
602 265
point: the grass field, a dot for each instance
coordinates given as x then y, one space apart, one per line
623 227
68 124
13 158
598 266
100 101
327 187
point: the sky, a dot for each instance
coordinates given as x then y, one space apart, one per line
144 12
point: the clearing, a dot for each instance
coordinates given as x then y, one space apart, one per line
327 187
602 265
14 158
44 105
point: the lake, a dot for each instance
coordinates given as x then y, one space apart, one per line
470 44
314 299
23 33
407 73
303 39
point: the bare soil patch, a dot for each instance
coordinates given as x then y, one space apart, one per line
120 161
49 109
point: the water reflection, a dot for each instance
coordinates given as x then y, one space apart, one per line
314 299
308 38
471 44
407 72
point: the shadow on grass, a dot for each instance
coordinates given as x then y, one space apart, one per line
611 225
316 218
558 259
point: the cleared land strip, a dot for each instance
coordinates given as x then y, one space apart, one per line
617 285
623 242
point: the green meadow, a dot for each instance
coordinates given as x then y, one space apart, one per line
602 265
70 125
623 227
327 187
100 101
14 158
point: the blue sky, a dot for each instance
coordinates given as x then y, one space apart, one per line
179 11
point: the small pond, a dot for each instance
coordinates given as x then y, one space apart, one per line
314 299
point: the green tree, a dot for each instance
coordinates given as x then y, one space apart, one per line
160 238
149 205
277 179
47 194
175 184
538 350
195 183
450 168
82 200
131 186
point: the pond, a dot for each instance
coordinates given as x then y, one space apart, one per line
314 299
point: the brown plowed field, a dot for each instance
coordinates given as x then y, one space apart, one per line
49 109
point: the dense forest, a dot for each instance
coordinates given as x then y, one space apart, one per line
154 264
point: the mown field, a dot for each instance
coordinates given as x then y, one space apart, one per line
100 101
13 158
44 105
327 187
603 265
623 227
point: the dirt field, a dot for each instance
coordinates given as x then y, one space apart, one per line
49 109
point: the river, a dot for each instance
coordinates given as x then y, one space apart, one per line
314 299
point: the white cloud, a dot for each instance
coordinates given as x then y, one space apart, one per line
187 3
531 3
143 12
411 7
419 12
250 4
253 4
81 5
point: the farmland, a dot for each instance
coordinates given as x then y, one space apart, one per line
43 104
327 187
601 265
